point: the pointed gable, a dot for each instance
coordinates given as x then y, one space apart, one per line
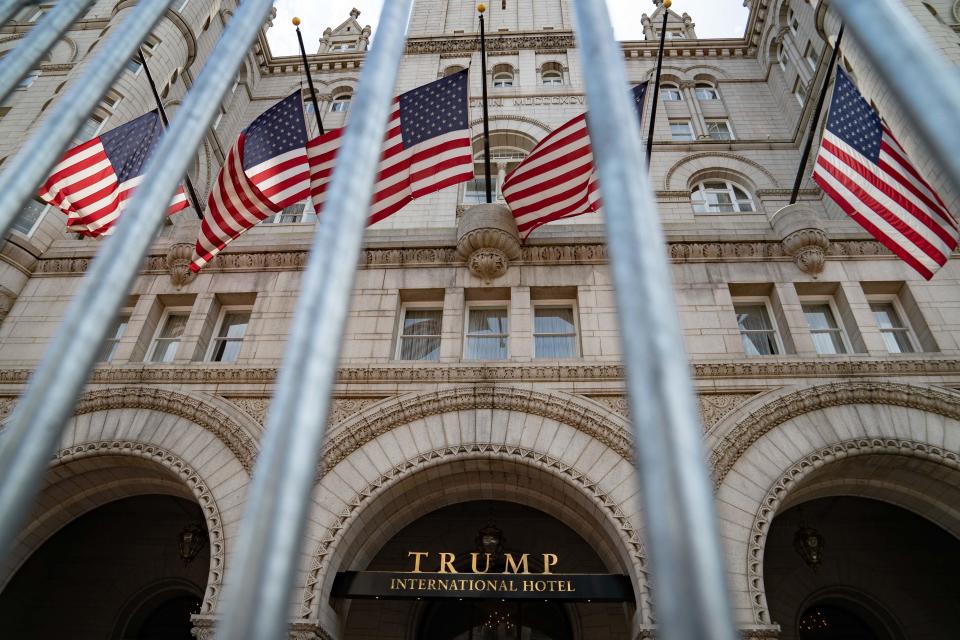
347 38
679 27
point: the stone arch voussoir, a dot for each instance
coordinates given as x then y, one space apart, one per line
591 418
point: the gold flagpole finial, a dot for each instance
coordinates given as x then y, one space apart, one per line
667 3
296 22
481 7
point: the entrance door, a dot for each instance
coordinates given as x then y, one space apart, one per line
495 620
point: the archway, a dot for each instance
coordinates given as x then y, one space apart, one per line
121 570
882 572
459 528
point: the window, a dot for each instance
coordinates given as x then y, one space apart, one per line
552 77
295 213
706 92
449 71
675 35
419 335
344 46
29 219
794 22
341 102
226 344
28 79
671 93
502 76
719 130
109 348
680 131
167 339
811 56
89 129
487 334
896 334
800 92
827 335
782 58
554 332
757 332
507 151
720 196
134 66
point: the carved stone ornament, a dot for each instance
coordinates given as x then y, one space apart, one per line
178 264
487 239
803 236
7 298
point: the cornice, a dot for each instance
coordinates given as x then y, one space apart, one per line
552 254
203 373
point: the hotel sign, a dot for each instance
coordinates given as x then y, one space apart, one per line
440 579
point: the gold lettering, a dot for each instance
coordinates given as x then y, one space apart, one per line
431 584
478 585
549 560
570 586
528 585
513 585
539 585
473 563
512 566
417 555
446 563
421 584
442 584
492 585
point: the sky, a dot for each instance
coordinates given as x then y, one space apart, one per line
713 19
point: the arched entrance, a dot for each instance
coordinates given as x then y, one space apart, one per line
854 568
130 569
461 529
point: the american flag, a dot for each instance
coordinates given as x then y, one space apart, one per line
427 148
94 180
557 180
865 171
264 171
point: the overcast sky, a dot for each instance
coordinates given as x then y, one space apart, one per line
714 19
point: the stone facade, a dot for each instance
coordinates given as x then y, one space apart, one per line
407 438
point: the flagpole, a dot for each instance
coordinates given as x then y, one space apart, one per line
812 133
163 117
656 82
306 67
486 120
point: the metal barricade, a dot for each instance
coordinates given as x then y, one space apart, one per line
38 42
38 419
33 161
688 571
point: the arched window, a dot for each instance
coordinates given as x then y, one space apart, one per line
341 101
507 150
671 92
502 76
551 74
721 196
449 71
706 91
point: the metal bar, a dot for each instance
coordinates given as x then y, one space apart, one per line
43 150
306 69
8 8
900 61
257 596
194 200
690 591
656 85
38 419
812 133
486 118
41 37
